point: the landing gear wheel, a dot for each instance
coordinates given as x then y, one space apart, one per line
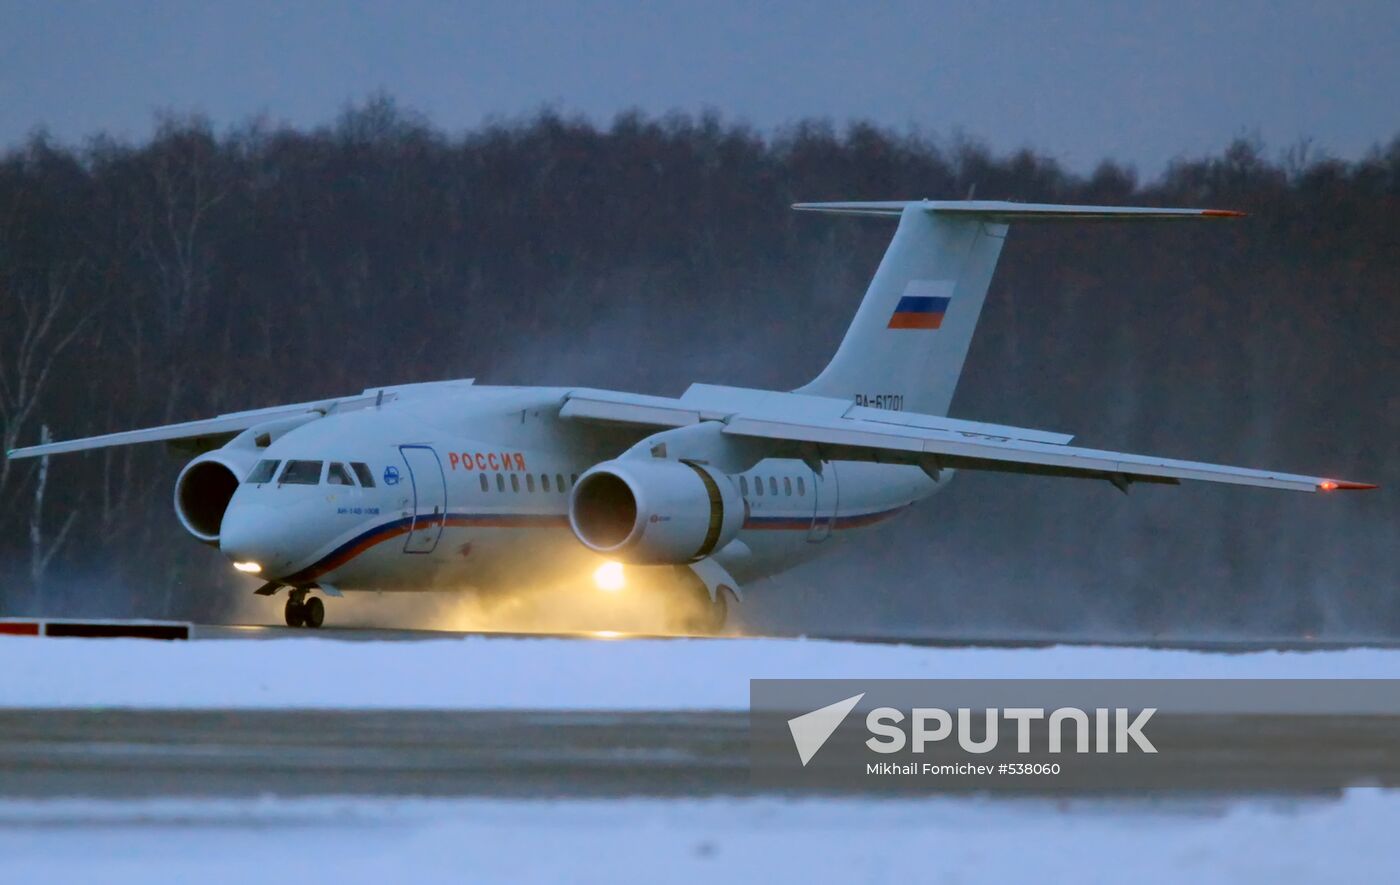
313 612
719 612
295 613
706 618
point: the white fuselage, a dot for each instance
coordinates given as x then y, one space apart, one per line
471 488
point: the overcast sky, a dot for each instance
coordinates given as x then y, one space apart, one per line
1141 82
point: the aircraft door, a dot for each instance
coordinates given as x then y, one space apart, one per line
429 498
826 495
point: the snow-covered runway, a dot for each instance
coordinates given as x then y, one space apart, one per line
710 840
558 759
485 673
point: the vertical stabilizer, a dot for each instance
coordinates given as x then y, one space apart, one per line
906 346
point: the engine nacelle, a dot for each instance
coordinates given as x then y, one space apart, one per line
205 487
655 512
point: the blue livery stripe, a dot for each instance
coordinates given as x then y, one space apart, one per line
396 527
803 523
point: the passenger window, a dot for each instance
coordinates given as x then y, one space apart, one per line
530 483
801 487
544 481
758 485
787 486
500 483
363 473
302 473
744 486
559 482
337 475
515 482
485 487
263 472
773 485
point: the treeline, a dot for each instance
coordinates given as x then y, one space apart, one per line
202 272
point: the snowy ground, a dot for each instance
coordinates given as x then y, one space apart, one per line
508 673
348 840
938 840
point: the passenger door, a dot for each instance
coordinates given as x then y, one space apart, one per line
826 493
429 498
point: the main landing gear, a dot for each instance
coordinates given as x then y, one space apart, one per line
697 614
303 610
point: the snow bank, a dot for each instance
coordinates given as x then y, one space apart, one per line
713 840
512 673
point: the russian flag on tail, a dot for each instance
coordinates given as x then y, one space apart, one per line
922 305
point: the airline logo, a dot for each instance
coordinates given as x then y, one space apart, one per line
922 305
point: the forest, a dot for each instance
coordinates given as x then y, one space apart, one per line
202 271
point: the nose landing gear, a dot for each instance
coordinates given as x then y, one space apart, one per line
303 610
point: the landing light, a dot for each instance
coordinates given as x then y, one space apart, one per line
251 568
609 577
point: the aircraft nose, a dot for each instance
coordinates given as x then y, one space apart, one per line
256 539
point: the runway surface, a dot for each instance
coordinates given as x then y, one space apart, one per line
247 753
401 713
1219 645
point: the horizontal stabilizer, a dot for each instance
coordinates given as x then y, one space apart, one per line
1005 211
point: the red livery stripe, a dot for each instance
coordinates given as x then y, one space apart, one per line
778 523
802 523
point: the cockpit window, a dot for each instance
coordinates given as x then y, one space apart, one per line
362 471
337 475
263 472
301 473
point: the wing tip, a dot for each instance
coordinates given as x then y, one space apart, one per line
1223 213
1339 485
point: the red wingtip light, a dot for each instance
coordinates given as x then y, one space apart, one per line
1221 213
1330 485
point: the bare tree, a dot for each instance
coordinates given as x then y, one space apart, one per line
41 553
39 322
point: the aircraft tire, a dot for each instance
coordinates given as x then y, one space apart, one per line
313 612
295 613
718 614
708 618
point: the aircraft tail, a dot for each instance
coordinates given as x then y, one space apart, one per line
906 346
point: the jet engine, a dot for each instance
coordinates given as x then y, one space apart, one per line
206 485
655 512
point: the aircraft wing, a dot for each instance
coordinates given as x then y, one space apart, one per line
226 426
861 440
206 428
820 428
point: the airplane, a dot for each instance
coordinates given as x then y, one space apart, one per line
451 484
